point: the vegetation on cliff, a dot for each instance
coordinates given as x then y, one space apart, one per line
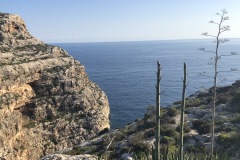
137 138
47 102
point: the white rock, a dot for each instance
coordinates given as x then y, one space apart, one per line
69 157
126 156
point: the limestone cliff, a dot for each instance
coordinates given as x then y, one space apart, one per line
47 102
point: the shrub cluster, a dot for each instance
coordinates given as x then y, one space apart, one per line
186 128
235 103
168 131
138 145
202 126
167 140
224 139
172 112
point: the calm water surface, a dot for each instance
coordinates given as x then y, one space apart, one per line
126 71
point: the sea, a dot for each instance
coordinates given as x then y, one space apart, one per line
126 71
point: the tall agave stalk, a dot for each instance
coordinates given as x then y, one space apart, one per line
182 112
157 132
217 56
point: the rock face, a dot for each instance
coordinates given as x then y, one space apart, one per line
47 102
67 157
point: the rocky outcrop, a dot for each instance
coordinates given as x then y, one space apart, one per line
47 102
67 157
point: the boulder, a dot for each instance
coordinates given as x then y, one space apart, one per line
126 156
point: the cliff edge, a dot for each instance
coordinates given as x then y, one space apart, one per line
47 102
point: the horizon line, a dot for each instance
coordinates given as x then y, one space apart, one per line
135 40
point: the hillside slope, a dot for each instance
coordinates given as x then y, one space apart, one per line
136 139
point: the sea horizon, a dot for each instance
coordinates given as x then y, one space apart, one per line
211 39
125 71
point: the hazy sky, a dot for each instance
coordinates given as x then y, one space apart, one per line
122 20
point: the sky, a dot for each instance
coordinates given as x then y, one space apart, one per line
56 21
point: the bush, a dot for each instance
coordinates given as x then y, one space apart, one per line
235 140
222 99
235 103
201 126
172 112
168 119
151 110
236 119
197 123
168 131
119 136
225 129
224 139
229 140
150 133
167 140
138 145
149 123
186 128
193 102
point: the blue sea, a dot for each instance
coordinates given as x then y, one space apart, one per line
126 71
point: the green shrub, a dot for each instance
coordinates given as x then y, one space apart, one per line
186 128
168 119
229 140
166 154
138 145
172 112
198 123
236 119
149 123
224 139
235 140
146 124
106 141
167 140
225 129
150 133
223 98
235 103
193 102
167 130
119 136
151 110
202 126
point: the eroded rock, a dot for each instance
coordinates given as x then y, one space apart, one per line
47 102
